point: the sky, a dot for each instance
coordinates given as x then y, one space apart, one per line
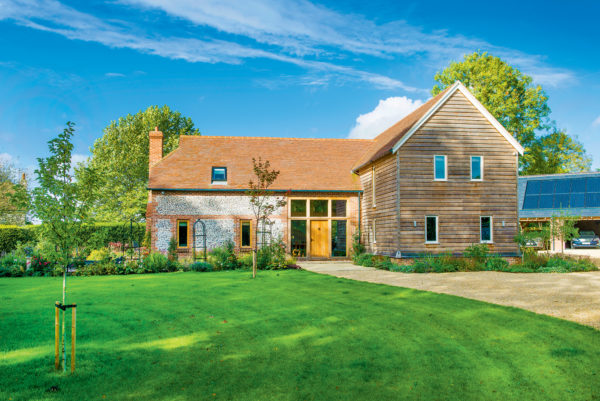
287 68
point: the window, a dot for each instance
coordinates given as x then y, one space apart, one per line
373 186
182 233
440 168
374 229
486 228
338 208
298 231
431 229
319 208
338 237
219 175
245 234
298 208
476 168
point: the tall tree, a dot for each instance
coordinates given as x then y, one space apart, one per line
519 105
14 195
557 153
262 200
120 160
62 204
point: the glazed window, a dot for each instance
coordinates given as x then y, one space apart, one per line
319 208
298 207
431 229
338 208
374 228
373 186
476 168
338 238
245 234
485 223
219 175
440 168
182 233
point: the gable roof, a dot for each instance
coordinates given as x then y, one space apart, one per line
390 140
304 164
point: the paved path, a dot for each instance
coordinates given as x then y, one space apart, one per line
571 296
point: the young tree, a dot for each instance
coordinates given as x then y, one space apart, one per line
520 106
562 226
263 202
120 160
62 204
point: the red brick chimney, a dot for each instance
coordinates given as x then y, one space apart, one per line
156 147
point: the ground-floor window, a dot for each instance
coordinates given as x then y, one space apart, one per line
374 230
298 240
431 229
485 224
182 233
338 238
245 233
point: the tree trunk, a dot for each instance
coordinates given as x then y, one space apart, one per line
254 263
64 301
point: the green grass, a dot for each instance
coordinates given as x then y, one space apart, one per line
289 335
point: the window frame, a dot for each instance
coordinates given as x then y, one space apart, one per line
373 188
445 168
242 221
437 229
212 175
480 168
374 229
491 240
188 233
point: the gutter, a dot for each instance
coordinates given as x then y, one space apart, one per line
244 190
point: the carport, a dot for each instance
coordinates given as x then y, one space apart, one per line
542 196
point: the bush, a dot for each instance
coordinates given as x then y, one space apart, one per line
201 267
496 263
245 260
357 247
479 253
365 259
11 236
172 250
100 254
155 262
224 258
272 256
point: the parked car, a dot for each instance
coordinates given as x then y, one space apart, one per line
536 243
586 239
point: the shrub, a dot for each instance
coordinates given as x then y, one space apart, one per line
385 263
479 253
245 260
172 250
155 262
100 254
42 267
11 236
224 258
365 259
272 256
357 247
201 267
496 263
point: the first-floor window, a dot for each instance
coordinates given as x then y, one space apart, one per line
182 233
485 224
245 234
431 229
476 168
440 168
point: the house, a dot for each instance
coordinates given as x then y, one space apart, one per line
574 194
441 179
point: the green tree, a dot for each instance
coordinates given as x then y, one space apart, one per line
120 160
14 195
262 200
562 226
520 106
62 204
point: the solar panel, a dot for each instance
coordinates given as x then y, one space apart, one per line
547 187
533 187
562 193
593 184
561 201
562 187
531 202
546 201
577 200
577 184
592 200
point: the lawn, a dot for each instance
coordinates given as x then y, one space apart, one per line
289 335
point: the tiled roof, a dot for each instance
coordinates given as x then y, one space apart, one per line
304 164
384 142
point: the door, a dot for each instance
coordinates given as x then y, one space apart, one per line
319 238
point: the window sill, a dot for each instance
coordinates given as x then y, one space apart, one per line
486 242
432 243
479 180
440 179
218 183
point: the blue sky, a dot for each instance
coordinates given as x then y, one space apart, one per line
274 67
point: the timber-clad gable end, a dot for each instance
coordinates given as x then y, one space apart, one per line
447 171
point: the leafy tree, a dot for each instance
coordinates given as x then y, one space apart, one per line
520 106
120 160
14 195
62 204
563 227
262 201
557 153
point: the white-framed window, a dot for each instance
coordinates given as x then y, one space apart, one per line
431 229
219 175
373 186
440 168
486 232
476 168
374 229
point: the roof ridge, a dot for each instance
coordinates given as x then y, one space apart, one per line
276 138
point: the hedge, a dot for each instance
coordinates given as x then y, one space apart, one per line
93 236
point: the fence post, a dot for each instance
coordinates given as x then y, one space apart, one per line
73 336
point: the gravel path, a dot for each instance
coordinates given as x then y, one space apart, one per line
571 296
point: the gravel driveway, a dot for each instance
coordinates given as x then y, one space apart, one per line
571 296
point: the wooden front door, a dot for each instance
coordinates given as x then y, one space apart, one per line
319 238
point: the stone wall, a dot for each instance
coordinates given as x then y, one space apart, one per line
206 205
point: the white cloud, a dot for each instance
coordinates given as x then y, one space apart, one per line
388 112
596 122
77 158
114 75
5 158
297 32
